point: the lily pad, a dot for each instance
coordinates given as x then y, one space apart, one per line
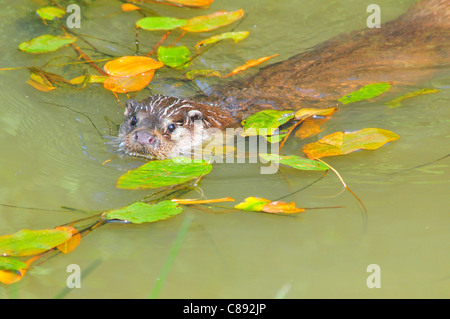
11 264
31 242
46 43
366 92
296 162
265 122
167 172
160 23
50 13
174 57
140 212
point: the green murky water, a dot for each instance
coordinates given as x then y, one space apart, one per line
52 156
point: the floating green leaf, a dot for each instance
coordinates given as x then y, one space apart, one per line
398 101
160 23
236 36
175 57
31 242
50 13
140 212
366 92
277 138
46 43
167 172
11 264
295 162
265 122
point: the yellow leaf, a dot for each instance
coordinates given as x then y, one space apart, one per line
340 143
212 21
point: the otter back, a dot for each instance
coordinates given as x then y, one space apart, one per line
402 51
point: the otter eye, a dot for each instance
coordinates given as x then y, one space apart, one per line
133 121
171 128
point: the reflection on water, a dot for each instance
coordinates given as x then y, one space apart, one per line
52 157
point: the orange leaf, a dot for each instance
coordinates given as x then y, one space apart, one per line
131 65
129 7
128 83
72 243
249 64
193 3
9 277
205 201
282 207
311 127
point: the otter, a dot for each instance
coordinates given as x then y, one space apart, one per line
404 50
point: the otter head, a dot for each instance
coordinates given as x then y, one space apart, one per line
162 127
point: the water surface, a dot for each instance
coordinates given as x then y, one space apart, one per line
53 157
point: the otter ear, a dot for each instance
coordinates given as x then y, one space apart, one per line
195 115
130 107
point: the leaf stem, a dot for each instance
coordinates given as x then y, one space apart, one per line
365 213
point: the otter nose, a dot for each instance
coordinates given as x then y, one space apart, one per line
144 137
